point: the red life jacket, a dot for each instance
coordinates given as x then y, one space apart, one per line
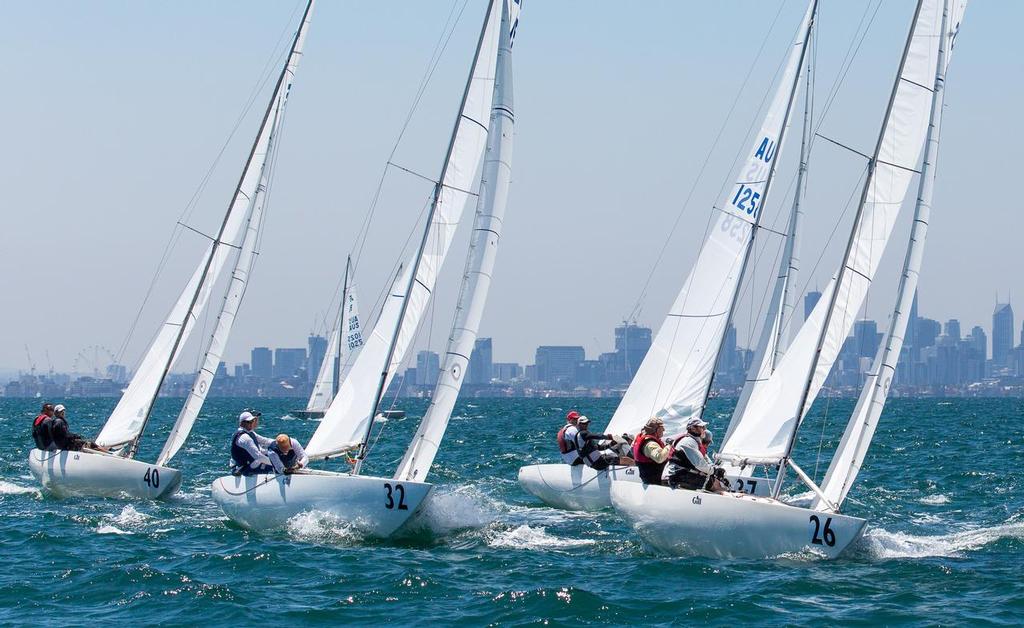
39 419
703 447
638 447
565 446
650 471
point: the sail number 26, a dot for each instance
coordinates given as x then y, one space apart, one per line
391 492
822 534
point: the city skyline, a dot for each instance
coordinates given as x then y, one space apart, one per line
576 257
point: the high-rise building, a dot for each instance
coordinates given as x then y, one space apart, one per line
222 371
241 370
317 351
557 364
810 300
506 371
480 363
262 360
1002 334
632 342
428 368
118 373
980 341
866 338
953 329
289 362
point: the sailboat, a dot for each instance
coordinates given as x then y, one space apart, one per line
346 338
743 526
381 505
116 471
675 378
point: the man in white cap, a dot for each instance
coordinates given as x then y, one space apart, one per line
689 467
249 449
63 437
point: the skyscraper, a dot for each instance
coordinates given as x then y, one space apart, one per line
317 351
810 300
262 360
632 343
866 338
289 362
953 329
481 362
1002 334
557 364
428 368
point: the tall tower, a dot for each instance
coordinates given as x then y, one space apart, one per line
1002 334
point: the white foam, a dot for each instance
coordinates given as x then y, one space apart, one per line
531 538
130 517
881 543
109 529
323 527
455 509
935 500
10 488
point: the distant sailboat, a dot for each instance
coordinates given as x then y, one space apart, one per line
380 505
345 340
117 472
674 379
737 525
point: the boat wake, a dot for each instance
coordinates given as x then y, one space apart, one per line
128 521
881 544
316 526
527 537
10 488
449 510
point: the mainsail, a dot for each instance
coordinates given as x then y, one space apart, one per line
674 379
349 416
346 337
765 432
476 280
859 431
129 417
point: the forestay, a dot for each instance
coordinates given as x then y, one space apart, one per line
766 430
675 376
349 415
476 280
859 431
129 417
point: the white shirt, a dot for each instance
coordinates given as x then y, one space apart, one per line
257 449
301 459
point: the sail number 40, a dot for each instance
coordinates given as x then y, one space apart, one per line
390 502
823 534
152 478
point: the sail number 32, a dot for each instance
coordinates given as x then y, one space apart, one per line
823 534
390 502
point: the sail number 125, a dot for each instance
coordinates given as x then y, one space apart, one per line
746 200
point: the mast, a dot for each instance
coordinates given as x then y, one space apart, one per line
341 329
363 446
861 428
846 257
217 242
767 188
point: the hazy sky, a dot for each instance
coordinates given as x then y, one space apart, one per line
114 112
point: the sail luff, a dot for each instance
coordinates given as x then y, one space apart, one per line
128 419
860 430
348 419
476 279
675 376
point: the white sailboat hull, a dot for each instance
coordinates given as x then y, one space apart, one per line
732 525
583 488
80 474
376 506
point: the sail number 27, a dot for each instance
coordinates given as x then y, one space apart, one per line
822 534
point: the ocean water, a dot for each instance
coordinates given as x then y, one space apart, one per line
943 489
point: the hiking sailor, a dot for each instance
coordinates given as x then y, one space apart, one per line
41 428
63 438
599 451
567 439
249 449
650 451
689 466
287 455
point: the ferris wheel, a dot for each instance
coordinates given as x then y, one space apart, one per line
93 361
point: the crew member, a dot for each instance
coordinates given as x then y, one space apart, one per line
286 454
249 449
689 466
599 451
567 440
650 451
42 427
63 437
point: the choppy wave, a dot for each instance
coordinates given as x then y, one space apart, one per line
526 537
323 527
10 488
449 509
934 500
880 543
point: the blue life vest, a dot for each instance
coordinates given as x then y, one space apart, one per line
241 457
287 459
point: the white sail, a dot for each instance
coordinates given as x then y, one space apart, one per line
859 431
346 338
346 421
767 428
674 378
128 419
476 281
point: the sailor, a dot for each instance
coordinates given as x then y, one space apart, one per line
567 439
249 449
286 454
689 466
42 427
63 437
650 451
599 451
